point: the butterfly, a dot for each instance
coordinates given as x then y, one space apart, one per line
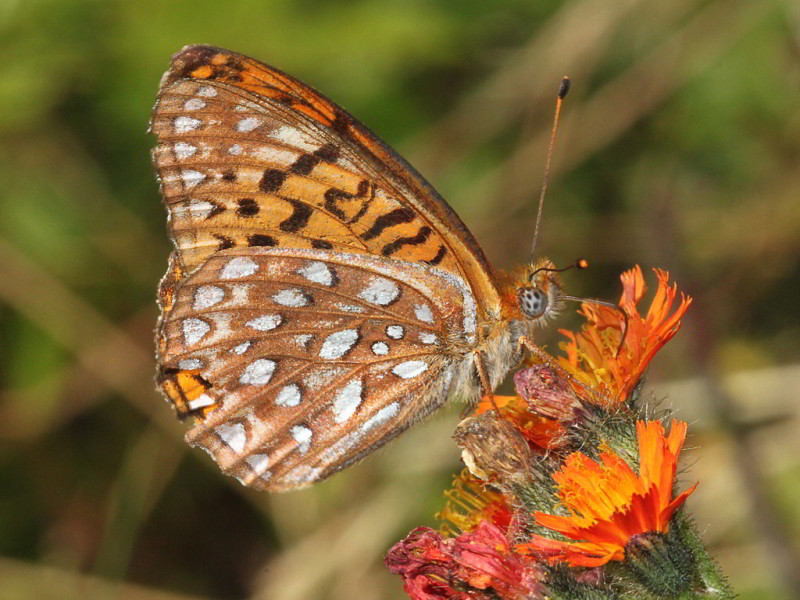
322 297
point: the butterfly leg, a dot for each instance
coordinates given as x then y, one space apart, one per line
484 378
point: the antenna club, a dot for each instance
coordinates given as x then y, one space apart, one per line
566 83
581 263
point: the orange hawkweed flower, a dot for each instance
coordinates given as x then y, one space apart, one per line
470 502
594 356
609 503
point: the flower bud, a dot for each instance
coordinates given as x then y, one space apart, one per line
548 394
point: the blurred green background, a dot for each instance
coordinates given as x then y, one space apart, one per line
679 148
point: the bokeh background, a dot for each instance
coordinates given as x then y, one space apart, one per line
679 148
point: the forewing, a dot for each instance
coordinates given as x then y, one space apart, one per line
296 362
249 156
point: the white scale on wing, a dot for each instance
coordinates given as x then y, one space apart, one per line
207 296
265 322
338 344
292 298
191 178
259 463
183 150
411 368
233 434
380 291
185 124
241 348
190 364
194 330
194 104
248 124
240 266
396 332
302 435
318 272
424 313
258 372
207 92
347 400
289 395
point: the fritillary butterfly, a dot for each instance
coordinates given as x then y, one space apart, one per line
321 297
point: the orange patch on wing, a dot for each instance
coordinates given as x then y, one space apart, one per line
311 112
219 59
182 388
203 72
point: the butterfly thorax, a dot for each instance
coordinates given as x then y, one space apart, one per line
531 296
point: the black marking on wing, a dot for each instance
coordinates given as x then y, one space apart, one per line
438 258
333 195
271 181
259 239
396 217
341 123
301 213
224 242
304 164
422 235
329 153
217 209
194 57
247 207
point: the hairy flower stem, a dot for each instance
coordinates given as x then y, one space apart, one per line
713 583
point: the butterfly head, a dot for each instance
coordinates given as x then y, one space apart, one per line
540 291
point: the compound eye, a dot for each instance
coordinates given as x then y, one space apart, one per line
532 302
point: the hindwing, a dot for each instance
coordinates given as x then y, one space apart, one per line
298 362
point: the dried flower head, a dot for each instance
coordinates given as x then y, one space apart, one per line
479 564
493 449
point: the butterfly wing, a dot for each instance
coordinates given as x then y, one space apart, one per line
250 157
299 362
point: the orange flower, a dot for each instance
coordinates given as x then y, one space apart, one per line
541 432
594 355
469 503
609 503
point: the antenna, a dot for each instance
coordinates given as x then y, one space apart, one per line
580 264
562 93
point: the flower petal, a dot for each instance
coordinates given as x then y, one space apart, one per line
609 503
